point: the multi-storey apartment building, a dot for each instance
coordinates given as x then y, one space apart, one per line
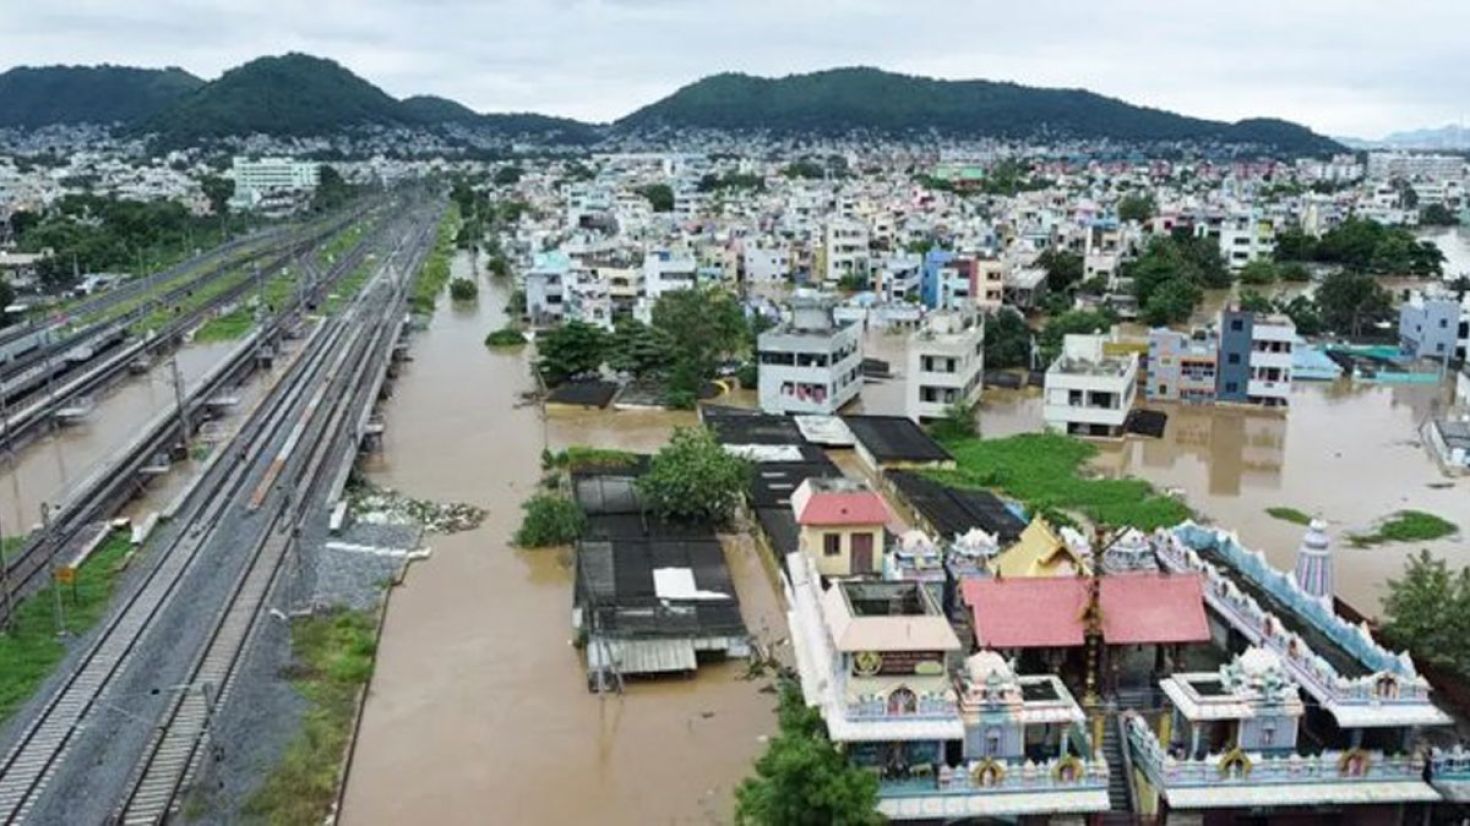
946 357
1255 358
811 363
1088 392
1182 367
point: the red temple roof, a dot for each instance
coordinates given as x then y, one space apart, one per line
1046 612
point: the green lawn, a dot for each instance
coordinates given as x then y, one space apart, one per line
227 327
1291 515
348 286
30 651
332 660
1405 526
1045 472
434 275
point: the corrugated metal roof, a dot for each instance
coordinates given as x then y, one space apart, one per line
660 656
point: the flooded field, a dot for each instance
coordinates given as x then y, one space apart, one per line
479 703
44 469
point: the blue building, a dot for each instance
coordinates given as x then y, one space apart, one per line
932 276
1233 370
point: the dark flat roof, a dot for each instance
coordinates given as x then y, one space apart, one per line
895 438
772 483
751 428
584 393
954 511
780 528
615 580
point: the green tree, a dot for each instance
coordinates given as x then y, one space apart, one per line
1294 272
1259 272
1256 302
1438 215
1063 268
958 422
1347 301
1428 612
701 325
660 197
573 349
1138 208
1303 313
332 191
549 519
1294 245
1173 302
508 175
694 479
638 349
219 190
802 779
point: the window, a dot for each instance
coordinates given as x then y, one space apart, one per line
1233 358
831 544
1232 387
1237 324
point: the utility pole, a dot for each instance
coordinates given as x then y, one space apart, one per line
178 382
5 582
48 541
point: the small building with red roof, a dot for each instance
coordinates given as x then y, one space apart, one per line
841 525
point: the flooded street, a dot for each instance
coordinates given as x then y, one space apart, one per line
478 710
43 470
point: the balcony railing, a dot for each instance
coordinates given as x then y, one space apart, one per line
927 708
1239 768
998 776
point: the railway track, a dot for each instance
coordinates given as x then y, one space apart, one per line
321 391
30 565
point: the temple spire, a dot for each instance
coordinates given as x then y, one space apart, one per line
1314 562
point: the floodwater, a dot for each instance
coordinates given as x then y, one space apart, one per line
1454 242
1349 453
479 711
44 469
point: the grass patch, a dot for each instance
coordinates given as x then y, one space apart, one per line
333 659
432 277
348 286
1291 515
1405 526
340 243
227 327
1043 471
30 651
582 458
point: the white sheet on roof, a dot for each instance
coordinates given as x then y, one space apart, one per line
678 583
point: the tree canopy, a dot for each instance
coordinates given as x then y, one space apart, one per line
1364 245
1348 302
571 350
802 779
701 325
1007 340
1063 268
1186 264
694 479
1428 612
1138 207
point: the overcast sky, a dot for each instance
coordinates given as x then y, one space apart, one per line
1344 67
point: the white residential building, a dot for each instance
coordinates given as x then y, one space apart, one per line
1246 237
1272 340
1409 165
546 288
945 360
1088 392
845 245
810 364
256 181
765 265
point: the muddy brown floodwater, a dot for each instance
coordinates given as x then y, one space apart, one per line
478 710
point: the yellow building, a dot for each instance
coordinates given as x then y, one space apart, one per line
840 526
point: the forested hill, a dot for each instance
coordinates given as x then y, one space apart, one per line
846 100
33 97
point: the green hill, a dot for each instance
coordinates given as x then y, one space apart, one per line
430 109
294 94
32 97
844 100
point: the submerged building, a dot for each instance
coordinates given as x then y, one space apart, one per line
811 363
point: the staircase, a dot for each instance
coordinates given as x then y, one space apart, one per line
1120 798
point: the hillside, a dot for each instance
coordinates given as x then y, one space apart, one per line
430 110
844 100
294 94
32 97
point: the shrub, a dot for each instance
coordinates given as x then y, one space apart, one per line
506 336
463 289
550 519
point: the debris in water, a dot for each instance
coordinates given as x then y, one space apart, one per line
380 506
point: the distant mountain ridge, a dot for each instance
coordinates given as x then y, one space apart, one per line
852 99
36 96
297 95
